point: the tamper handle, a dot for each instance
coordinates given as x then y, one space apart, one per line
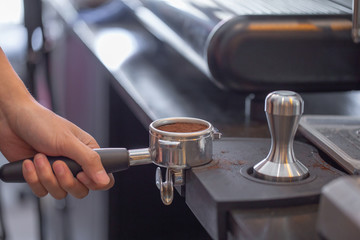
283 112
284 103
113 160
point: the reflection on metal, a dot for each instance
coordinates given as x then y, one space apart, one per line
337 136
177 151
287 26
181 150
113 46
283 111
11 12
228 41
216 134
173 177
166 188
356 21
139 156
167 34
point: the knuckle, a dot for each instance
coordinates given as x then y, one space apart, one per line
46 177
68 185
63 142
95 187
31 181
93 157
82 195
59 195
41 194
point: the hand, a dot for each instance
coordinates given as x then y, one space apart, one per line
29 129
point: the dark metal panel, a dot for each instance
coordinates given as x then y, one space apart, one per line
227 184
293 223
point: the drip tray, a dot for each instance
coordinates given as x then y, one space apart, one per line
337 136
227 184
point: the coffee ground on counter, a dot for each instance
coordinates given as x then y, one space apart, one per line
182 127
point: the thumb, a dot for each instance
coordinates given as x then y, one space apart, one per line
89 160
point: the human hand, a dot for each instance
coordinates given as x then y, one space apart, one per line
29 129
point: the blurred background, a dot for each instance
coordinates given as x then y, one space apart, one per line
17 203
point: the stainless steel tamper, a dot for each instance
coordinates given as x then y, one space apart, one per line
283 112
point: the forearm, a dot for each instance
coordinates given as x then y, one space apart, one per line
12 90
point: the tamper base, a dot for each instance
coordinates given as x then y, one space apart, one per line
280 172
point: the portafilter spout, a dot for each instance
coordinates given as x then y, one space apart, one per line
283 112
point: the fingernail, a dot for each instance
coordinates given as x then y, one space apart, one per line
59 169
102 177
27 167
39 160
83 178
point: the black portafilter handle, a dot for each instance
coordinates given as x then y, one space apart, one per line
113 160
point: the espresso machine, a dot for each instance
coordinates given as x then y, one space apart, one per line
252 46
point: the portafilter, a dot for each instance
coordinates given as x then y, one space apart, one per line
175 143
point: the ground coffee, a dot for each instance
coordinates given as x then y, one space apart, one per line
182 127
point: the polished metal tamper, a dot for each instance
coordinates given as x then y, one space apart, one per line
283 112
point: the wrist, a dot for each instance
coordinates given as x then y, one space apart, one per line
13 92
13 101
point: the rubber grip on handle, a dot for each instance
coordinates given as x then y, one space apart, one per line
113 160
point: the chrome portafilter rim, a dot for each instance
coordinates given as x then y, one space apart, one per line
187 149
153 128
